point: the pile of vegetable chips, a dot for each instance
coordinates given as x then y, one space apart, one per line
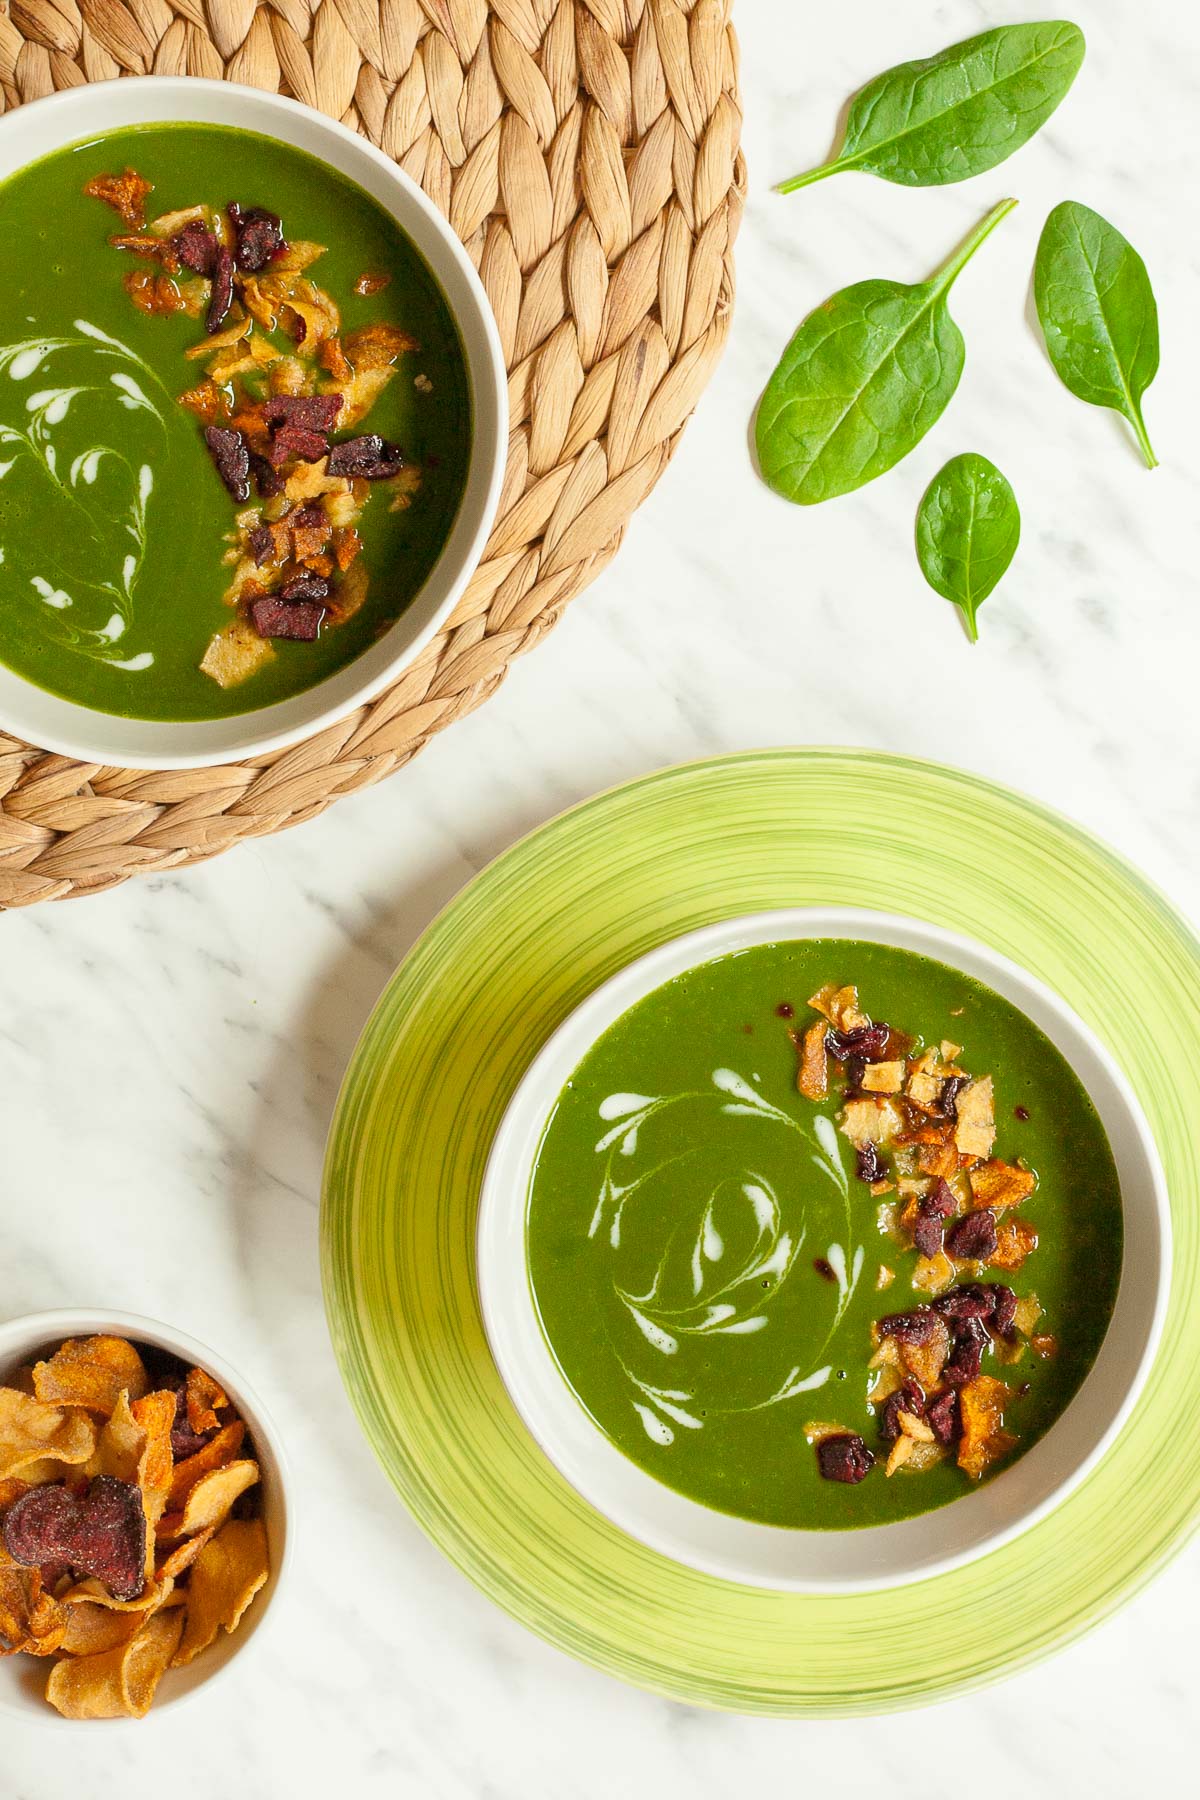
130 1532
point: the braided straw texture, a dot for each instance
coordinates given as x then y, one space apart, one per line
586 152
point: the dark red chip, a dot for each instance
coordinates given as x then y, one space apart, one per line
916 1327
868 1165
947 1102
935 1207
970 1301
867 1041
37 1524
295 441
104 1534
229 451
973 1237
1004 1307
274 617
222 291
927 1235
308 586
907 1399
261 543
196 247
267 480
370 458
258 234
940 1204
970 1341
844 1458
315 412
942 1416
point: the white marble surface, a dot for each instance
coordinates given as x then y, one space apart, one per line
169 1053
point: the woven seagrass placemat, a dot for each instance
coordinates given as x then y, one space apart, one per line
586 152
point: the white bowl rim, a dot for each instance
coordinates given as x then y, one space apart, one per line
184 741
26 1332
505 1196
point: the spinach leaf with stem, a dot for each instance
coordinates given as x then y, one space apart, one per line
1097 312
862 381
968 529
959 113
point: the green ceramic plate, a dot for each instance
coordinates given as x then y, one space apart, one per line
457 1026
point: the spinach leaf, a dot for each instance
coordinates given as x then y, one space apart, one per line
862 380
968 528
959 113
1098 313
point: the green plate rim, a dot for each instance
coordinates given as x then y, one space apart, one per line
639 1588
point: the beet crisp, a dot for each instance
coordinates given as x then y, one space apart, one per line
923 1131
280 378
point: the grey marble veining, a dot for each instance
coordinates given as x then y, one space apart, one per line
170 1053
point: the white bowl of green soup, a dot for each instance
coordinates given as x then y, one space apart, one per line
823 1249
252 421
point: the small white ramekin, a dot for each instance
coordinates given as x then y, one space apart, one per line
78 113
23 1678
822 1561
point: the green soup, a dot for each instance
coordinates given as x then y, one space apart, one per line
113 519
706 1261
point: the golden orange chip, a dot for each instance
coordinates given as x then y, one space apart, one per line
93 1592
999 1184
126 194
1015 1239
30 1619
91 1372
92 1629
31 1429
359 392
332 357
371 281
220 340
119 1445
155 1413
235 653
983 1440
11 1488
209 402
117 1683
350 592
377 346
183 1555
974 1113
875 1119
299 254
938 1158
227 1574
209 1501
812 1077
925 1361
216 1453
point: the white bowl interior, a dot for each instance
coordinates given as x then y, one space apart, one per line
82 112
764 1555
23 1678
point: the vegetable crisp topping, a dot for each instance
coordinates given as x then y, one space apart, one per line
281 378
923 1129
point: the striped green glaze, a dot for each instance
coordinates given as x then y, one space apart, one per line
456 1028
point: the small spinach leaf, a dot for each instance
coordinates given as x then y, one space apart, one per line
959 113
862 381
968 528
1098 313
